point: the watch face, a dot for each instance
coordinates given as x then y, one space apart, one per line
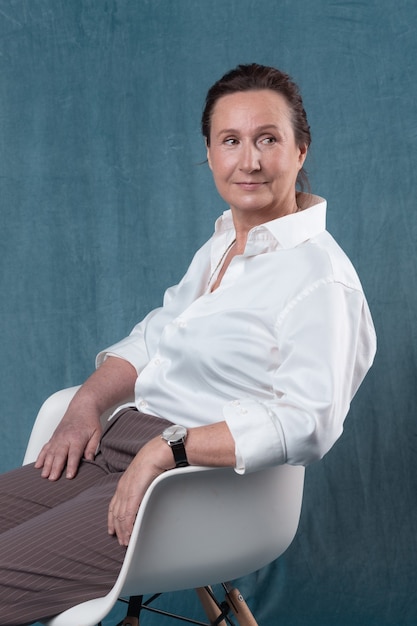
174 433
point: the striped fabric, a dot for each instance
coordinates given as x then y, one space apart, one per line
54 547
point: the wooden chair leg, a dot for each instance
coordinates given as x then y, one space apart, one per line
237 604
209 605
234 600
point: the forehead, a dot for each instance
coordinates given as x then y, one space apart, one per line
249 109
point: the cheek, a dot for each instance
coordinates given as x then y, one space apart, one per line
221 166
284 164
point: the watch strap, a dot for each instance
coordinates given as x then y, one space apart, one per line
180 455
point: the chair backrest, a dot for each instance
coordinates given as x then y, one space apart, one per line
196 526
200 526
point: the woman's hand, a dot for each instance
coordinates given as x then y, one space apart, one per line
151 461
76 436
211 445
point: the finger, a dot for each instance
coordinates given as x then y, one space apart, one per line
120 524
54 465
91 447
41 458
110 519
73 461
124 527
45 461
54 461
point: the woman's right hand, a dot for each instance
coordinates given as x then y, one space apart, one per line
76 436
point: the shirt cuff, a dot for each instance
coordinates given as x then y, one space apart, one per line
259 441
127 350
104 354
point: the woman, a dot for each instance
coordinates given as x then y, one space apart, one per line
254 356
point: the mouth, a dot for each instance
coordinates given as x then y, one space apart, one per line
250 186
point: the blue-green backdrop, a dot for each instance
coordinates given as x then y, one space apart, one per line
104 199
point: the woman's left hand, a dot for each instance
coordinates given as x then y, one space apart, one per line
151 461
211 445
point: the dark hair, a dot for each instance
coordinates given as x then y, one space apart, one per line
254 77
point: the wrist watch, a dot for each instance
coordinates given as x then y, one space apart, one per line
175 436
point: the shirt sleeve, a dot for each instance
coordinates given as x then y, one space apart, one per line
134 348
138 346
327 343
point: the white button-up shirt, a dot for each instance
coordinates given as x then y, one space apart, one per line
278 350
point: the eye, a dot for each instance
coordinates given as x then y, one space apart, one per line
230 141
268 141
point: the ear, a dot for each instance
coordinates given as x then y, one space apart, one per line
303 154
208 154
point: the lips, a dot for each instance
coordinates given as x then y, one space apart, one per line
250 186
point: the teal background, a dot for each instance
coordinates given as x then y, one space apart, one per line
104 198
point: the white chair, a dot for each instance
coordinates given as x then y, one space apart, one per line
196 526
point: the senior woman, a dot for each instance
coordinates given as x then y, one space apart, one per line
254 356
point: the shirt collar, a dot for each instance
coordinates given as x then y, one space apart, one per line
284 232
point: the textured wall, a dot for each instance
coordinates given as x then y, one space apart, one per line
103 200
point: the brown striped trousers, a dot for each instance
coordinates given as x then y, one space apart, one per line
55 550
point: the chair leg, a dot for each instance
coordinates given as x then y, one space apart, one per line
210 606
133 611
233 602
237 603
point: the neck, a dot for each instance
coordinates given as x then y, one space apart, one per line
244 221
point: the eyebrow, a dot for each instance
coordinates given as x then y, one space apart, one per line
259 129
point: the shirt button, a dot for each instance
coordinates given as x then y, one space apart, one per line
157 361
143 404
235 403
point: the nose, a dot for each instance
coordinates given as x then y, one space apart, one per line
250 158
